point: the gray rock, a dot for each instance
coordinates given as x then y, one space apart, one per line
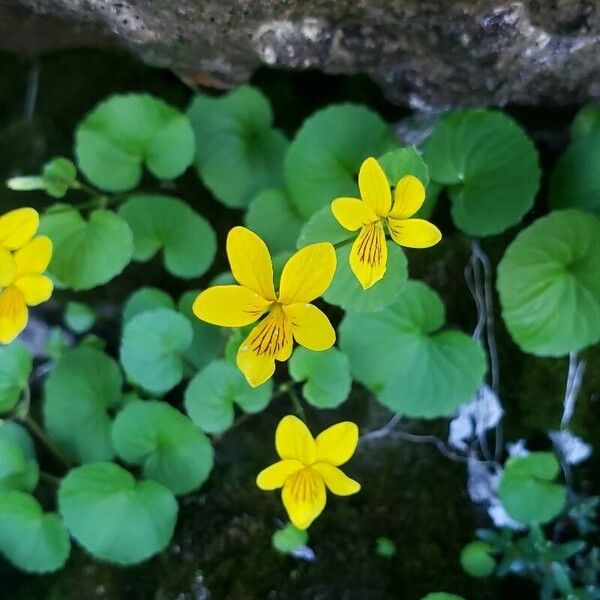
425 53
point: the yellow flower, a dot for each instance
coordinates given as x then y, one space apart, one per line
307 465
368 256
23 259
290 316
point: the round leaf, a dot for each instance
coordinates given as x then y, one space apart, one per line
164 222
476 559
346 291
15 367
146 299
289 539
30 539
274 218
238 152
490 166
575 181
169 447
152 348
87 253
442 596
323 227
327 376
114 517
82 387
399 354
587 121
527 490
212 393
122 133
323 160
549 285
79 317
58 175
18 466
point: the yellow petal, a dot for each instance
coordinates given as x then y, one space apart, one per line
337 444
229 306
310 326
250 262
409 196
274 477
304 497
352 213
414 233
271 339
17 227
337 482
34 257
8 267
368 257
35 288
294 441
308 273
13 314
374 187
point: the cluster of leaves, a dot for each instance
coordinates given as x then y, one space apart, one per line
104 415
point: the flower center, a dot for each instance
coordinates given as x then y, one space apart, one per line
272 334
370 249
304 485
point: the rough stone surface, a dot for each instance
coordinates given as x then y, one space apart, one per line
426 53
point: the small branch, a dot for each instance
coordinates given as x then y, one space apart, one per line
572 388
382 431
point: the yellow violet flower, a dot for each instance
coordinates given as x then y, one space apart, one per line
290 316
23 260
307 465
368 257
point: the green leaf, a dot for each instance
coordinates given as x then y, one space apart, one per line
164 222
575 181
59 175
113 516
323 227
346 291
145 299
79 317
476 559
87 253
586 122
208 342
399 354
289 539
152 349
275 219
84 385
170 449
385 547
30 539
490 166
122 133
549 285
211 395
527 490
327 376
442 596
18 466
323 160
15 367
238 152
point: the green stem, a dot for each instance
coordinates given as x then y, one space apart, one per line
51 479
44 439
343 243
296 403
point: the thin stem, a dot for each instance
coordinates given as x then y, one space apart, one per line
44 439
33 80
48 478
297 404
343 243
572 388
383 431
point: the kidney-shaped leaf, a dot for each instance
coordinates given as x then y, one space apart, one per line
145 299
238 153
152 348
30 539
399 354
82 387
212 393
323 160
490 166
18 466
527 489
327 376
87 253
114 141
115 517
166 443
549 284
15 367
164 222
